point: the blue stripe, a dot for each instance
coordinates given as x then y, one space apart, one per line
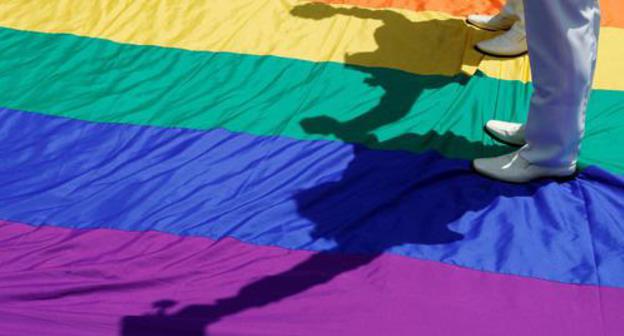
312 195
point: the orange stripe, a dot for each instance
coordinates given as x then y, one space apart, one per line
612 10
612 13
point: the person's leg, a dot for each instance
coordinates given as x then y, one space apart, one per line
506 132
563 44
563 38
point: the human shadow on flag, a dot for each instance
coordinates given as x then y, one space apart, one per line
383 201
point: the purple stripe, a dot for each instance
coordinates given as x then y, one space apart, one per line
58 281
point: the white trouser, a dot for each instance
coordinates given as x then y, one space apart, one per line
515 8
563 38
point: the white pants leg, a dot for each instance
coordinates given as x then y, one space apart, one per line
563 38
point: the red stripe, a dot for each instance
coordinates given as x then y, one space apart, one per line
612 10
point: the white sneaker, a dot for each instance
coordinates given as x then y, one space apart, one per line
506 132
513 43
515 169
502 21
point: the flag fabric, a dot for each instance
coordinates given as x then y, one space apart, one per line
285 167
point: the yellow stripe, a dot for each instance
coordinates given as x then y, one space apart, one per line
417 42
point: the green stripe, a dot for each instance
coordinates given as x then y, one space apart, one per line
102 81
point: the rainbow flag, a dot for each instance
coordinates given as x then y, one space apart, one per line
286 167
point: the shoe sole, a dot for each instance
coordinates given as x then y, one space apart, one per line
495 137
557 179
499 56
484 28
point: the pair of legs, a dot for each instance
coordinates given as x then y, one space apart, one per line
562 38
